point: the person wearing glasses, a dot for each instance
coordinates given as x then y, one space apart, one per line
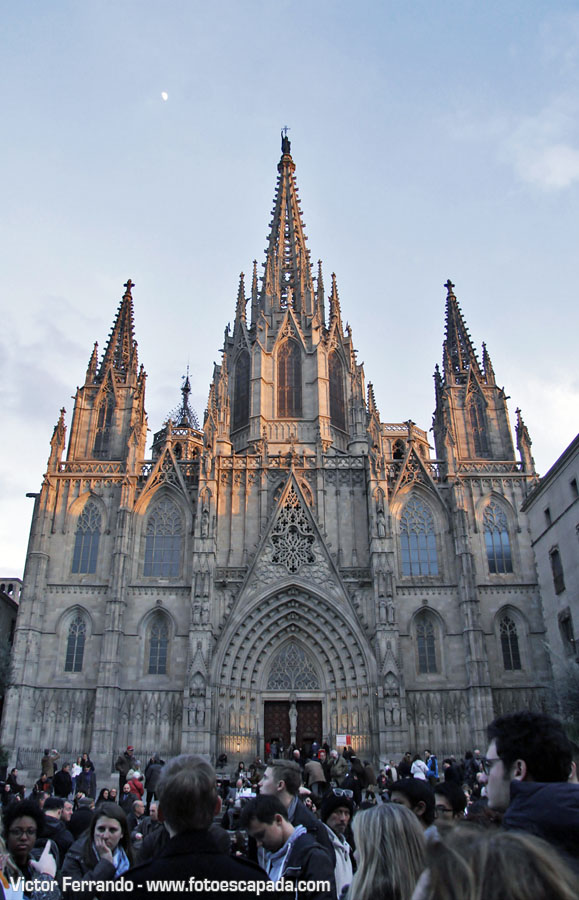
529 762
449 802
23 824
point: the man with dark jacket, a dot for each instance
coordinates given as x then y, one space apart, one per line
189 801
55 828
62 782
286 852
81 817
152 775
529 761
124 763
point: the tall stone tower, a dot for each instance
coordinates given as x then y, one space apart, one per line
296 569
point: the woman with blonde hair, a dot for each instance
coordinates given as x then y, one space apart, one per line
473 863
390 848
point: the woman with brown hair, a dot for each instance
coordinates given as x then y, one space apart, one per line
104 852
390 845
473 863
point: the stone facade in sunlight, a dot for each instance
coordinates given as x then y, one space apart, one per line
295 568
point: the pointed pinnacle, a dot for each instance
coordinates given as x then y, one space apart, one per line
241 301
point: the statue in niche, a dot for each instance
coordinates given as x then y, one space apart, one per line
197 688
205 614
381 524
355 719
382 612
334 718
204 522
366 718
390 610
199 714
197 614
293 717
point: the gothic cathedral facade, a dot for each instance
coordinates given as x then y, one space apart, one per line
294 569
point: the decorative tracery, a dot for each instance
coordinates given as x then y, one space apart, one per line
417 539
292 535
497 540
292 671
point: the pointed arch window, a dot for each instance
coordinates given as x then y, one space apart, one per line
241 391
289 380
75 645
497 541
478 427
158 646
417 539
104 423
337 405
164 540
86 542
510 644
426 644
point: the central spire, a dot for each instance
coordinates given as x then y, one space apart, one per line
121 349
459 353
287 280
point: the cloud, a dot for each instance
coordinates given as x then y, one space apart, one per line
544 149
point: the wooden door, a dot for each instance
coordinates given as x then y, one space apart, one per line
309 727
276 723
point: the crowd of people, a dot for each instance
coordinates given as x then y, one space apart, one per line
323 826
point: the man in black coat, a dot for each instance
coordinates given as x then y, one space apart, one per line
62 782
188 802
55 828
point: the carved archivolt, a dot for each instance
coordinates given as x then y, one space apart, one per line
294 616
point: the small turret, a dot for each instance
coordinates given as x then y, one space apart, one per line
57 443
524 445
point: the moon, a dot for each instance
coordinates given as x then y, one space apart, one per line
164 95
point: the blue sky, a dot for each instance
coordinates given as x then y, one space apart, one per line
432 140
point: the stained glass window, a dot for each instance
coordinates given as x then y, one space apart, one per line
426 644
86 542
510 644
417 539
163 541
158 646
497 540
75 645
289 380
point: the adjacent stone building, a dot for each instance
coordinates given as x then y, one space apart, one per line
553 512
294 569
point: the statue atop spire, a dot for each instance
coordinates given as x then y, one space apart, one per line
285 142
